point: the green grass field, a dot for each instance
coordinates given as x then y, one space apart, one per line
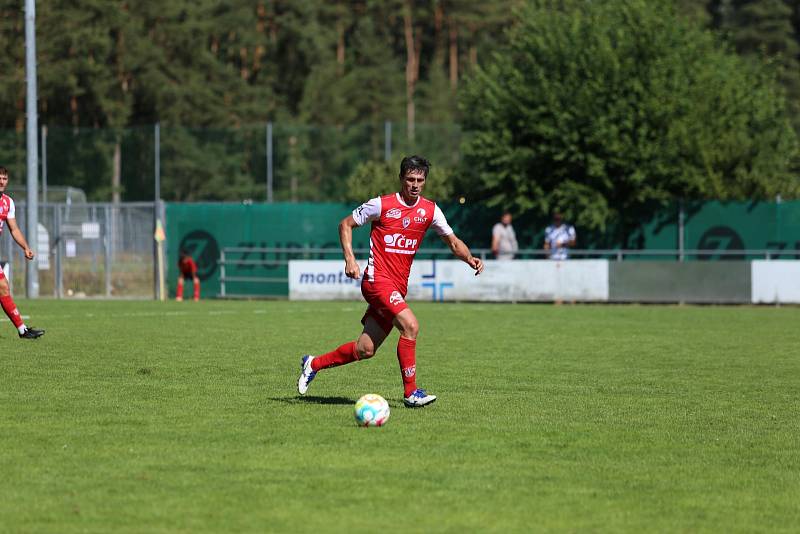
183 417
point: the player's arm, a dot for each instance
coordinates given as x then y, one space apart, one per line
368 211
16 233
351 268
572 237
495 243
461 251
546 245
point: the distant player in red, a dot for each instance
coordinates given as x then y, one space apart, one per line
8 216
188 271
399 222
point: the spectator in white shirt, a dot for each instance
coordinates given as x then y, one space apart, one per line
559 237
504 240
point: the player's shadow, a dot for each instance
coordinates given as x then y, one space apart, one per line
314 400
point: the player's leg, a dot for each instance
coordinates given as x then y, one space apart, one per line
371 338
179 289
196 283
10 308
406 322
363 348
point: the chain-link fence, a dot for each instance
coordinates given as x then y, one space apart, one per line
87 250
263 162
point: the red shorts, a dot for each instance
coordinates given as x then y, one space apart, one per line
385 302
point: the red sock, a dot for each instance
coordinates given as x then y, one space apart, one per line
179 291
344 354
407 356
11 310
197 291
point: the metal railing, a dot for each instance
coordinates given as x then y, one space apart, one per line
270 257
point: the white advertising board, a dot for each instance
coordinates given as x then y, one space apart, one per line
449 280
509 281
322 280
775 281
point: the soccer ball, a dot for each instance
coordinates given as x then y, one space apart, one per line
371 410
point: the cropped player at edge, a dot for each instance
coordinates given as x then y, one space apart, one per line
8 216
399 222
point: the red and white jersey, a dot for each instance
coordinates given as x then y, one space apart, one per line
187 266
7 210
397 232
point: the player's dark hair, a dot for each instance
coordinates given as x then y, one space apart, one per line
414 163
3 171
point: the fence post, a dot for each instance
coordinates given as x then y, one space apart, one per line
44 164
156 198
59 271
109 237
681 230
222 273
95 242
157 160
387 141
32 119
269 162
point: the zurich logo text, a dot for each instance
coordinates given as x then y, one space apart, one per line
393 213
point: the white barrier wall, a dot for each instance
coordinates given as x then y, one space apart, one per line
447 280
775 281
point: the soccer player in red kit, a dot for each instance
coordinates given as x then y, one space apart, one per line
188 271
8 216
399 222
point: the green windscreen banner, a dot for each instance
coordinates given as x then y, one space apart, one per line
204 230
725 226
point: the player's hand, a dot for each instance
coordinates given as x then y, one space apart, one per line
29 254
476 264
352 270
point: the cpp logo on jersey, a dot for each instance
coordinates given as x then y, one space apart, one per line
406 222
395 298
400 244
393 213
